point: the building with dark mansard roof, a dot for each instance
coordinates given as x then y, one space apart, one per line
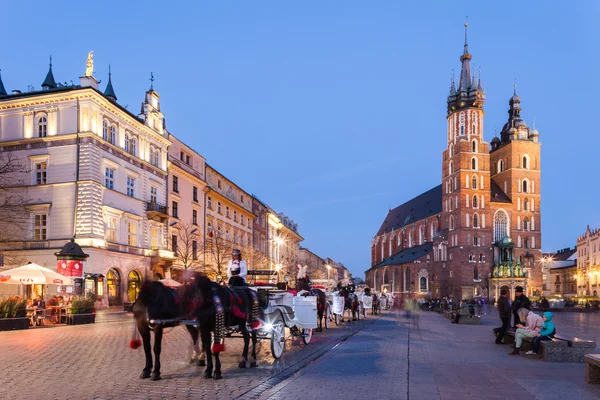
480 230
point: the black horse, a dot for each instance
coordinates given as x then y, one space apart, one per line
213 312
304 284
351 303
158 307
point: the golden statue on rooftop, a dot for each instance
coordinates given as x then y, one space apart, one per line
89 64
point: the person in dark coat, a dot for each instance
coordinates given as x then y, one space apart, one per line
504 312
521 301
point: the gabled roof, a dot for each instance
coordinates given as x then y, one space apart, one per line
407 255
423 206
498 195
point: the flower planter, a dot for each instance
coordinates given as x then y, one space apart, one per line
11 324
80 319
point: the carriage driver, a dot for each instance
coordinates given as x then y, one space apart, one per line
237 269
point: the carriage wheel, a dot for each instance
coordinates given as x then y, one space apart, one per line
306 335
277 339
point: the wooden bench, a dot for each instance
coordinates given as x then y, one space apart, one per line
592 368
559 349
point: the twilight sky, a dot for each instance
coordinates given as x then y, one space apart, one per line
332 112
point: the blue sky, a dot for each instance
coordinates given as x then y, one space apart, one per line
332 112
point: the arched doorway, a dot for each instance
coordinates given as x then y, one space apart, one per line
134 281
113 286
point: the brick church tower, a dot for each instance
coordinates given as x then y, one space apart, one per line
515 167
466 184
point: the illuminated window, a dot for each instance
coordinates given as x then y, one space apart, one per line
111 229
39 230
154 238
131 233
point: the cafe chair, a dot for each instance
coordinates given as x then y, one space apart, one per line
45 317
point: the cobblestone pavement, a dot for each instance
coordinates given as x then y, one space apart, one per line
95 362
438 360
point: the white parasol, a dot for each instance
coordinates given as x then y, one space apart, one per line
170 283
33 274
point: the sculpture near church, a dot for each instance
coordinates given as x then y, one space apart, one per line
89 64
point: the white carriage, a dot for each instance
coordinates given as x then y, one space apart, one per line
366 303
279 310
383 300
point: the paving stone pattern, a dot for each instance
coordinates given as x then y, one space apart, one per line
95 362
442 361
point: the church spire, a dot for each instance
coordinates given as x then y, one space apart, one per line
2 89
465 72
49 82
469 91
109 91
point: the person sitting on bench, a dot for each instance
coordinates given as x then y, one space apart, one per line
546 333
463 311
534 325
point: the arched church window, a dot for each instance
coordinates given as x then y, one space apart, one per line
525 162
500 166
451 223
474 164
525 185
526 204
526 224
450 167
475 221
500 225
474 182
462 130
475 201
474 146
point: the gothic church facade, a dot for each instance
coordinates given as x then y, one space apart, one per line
480 230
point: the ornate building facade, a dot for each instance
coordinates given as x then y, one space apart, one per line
588 265
480 230
94 171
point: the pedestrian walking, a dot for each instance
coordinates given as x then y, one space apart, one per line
504 312
521 301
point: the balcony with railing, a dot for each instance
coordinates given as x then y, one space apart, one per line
156 211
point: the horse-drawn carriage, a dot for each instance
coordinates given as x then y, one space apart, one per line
280 310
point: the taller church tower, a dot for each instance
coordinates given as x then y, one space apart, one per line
466 185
